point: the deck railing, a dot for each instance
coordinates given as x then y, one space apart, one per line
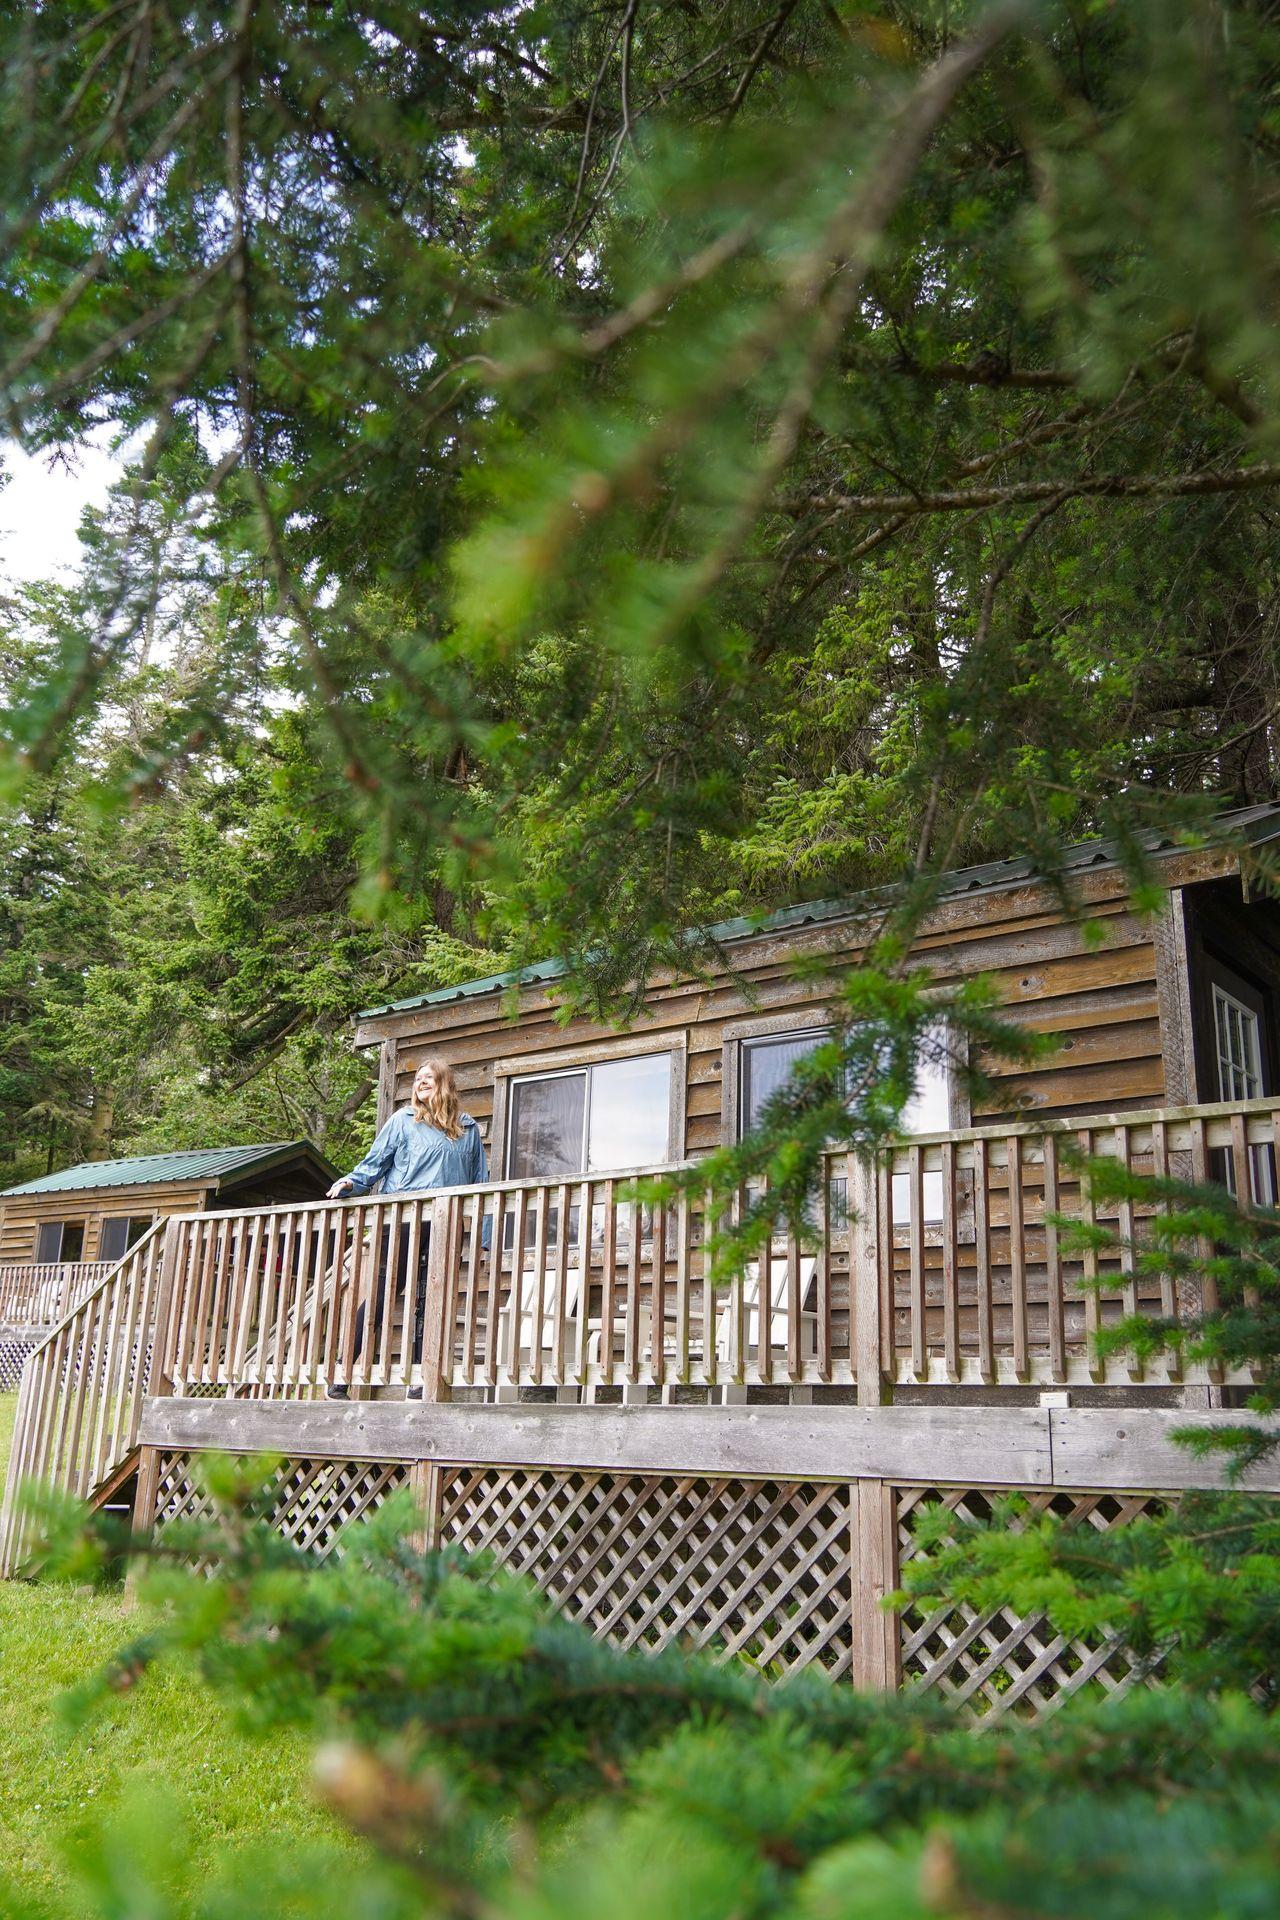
82 1389
38 1293
939 1263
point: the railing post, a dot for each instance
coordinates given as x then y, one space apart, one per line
864 1281
438 1305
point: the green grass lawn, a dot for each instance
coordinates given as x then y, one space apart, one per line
170 1738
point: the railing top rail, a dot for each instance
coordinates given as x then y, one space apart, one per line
574 1181
1095 1122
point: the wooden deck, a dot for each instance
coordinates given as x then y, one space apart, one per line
590 1403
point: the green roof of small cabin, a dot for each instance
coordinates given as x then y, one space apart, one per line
211 1164
1251 824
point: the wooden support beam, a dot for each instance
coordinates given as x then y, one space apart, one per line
424 1485
877 1638
944 1445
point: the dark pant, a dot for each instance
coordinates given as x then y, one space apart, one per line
402 1277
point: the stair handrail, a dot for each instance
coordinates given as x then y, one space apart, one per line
83 1384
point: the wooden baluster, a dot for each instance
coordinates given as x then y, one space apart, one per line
682 1303
471 1305
1089 1265
764 1314
631 1326
321 1285
283 1294
516 1304
560 1330
112 1363
1053 1286
218 1320
140 1328
1126 1222
493 1290
262 1280
794 1357
86 1321
583 1250
822 1283
350 1364
710 1316
387 1266
1242 1166
886 1224
1160 1167
336 1370
865 1253
983 1264
195 1367
950 1266
440 1303
608 1281
919 1305
302 1291
1017 1259
736 1312
241 1289
658 1290
363 1294
403 1371
538 1291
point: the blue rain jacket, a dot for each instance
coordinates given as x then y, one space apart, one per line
409 1154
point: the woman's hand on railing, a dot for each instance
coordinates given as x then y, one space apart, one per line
345 1185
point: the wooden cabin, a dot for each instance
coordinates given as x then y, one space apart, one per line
743 1464
61 1233
1161 1010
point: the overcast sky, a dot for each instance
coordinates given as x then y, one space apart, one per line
41 503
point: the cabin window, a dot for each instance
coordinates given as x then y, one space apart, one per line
59 1240
601 1118
1238 1037
1239 1041
768 1061
119 1233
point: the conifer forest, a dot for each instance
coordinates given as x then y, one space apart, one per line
584 475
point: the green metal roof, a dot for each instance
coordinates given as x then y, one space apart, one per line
210 1164
1249 823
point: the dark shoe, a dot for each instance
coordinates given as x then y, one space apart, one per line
336 1393
414 1393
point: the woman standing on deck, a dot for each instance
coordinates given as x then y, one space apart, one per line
428 1144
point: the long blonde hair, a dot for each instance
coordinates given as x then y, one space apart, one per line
442 1109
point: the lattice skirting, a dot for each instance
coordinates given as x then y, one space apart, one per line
763 1570
13 1353
1000 1662
311 1502
756 1568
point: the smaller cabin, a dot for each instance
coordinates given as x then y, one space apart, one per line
96 1211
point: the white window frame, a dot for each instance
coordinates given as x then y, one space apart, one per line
508 1074
1248 1023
